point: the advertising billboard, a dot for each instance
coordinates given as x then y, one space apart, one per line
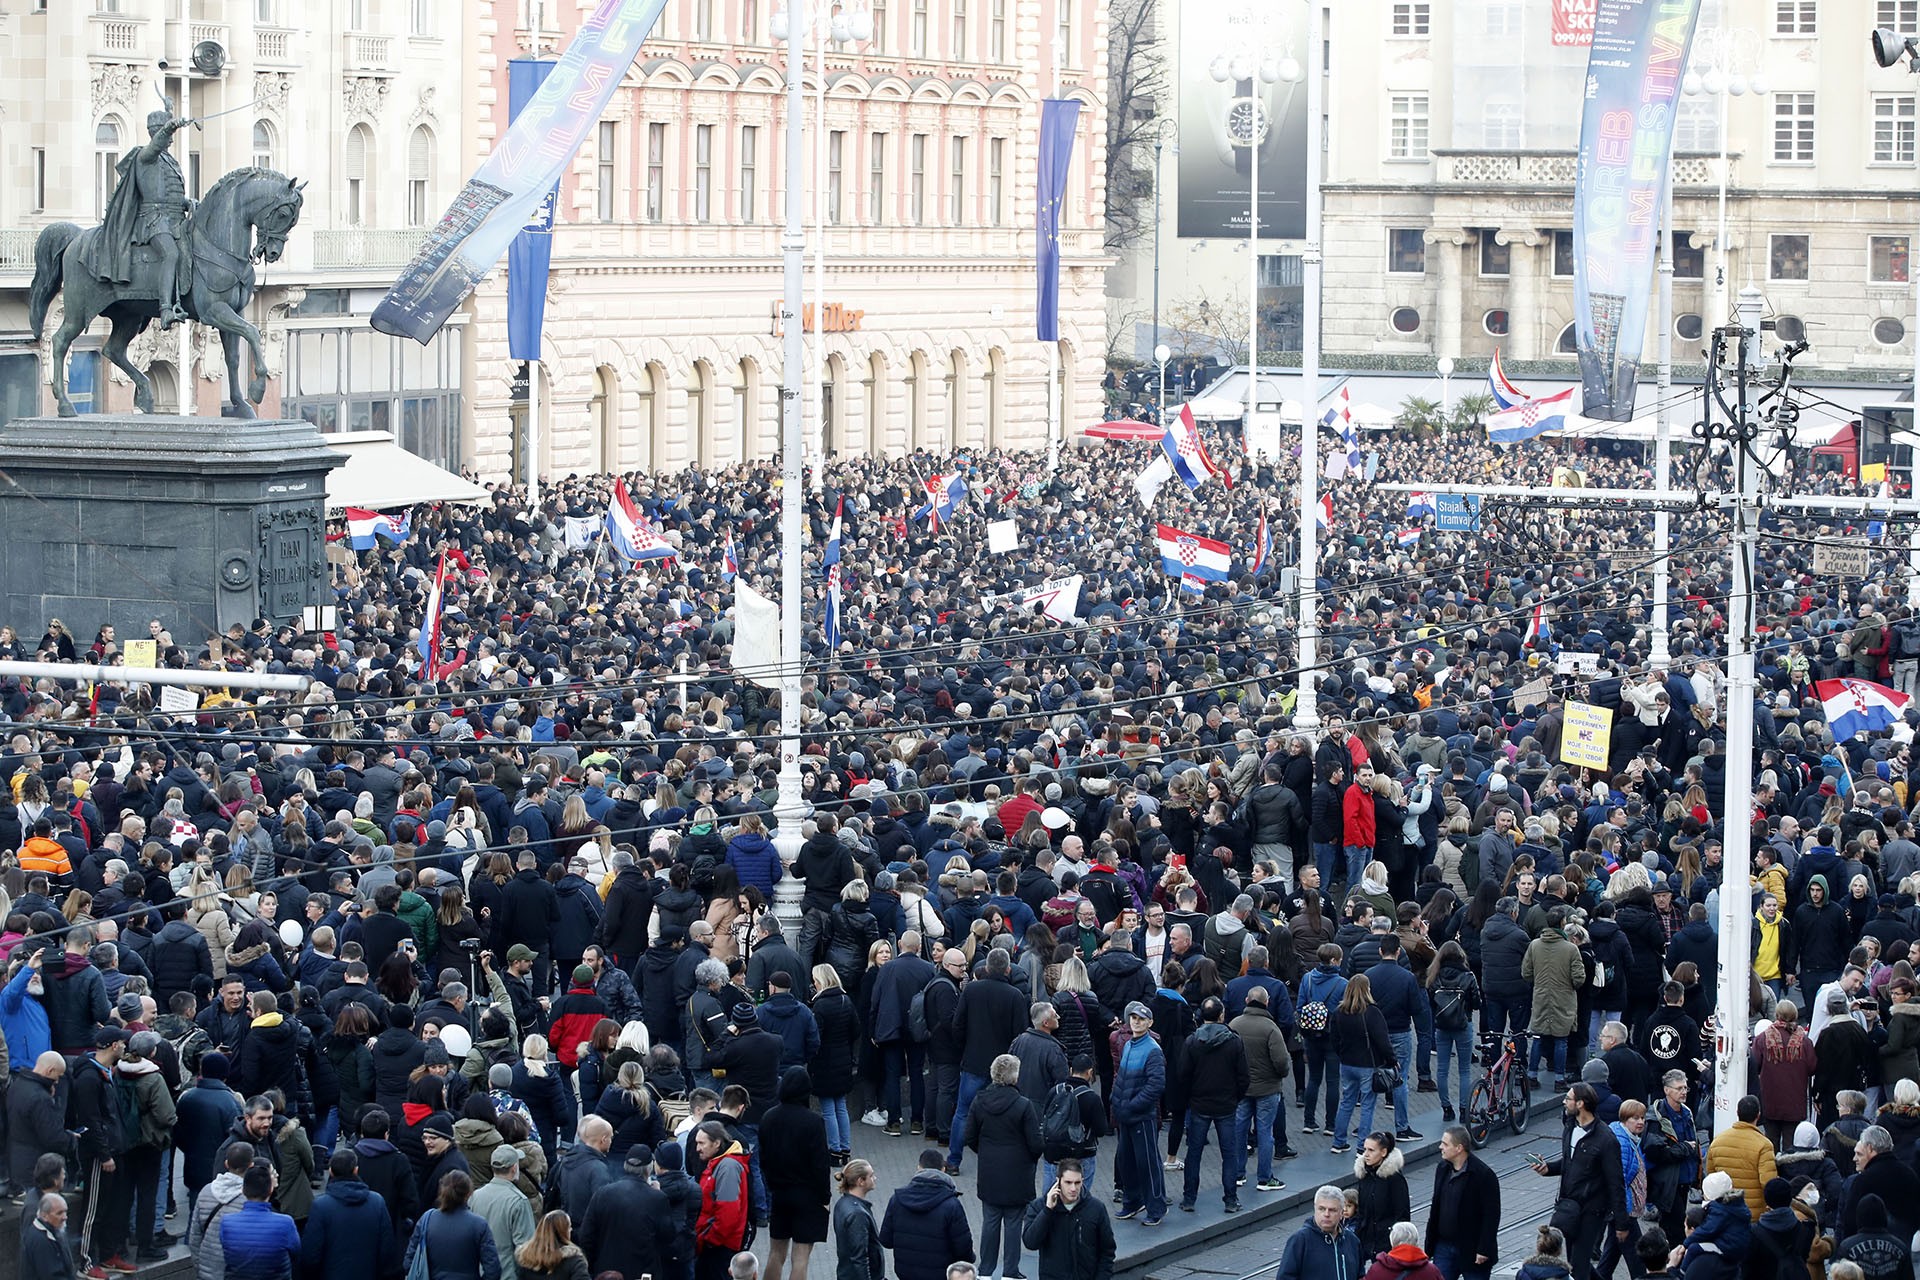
1223 124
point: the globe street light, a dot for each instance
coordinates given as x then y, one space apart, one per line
1445 367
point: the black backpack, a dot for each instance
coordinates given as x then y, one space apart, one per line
1450 1001
918 1028
1062 1129
1907 636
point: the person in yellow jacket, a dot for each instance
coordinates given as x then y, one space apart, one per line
1772 943
1743 1153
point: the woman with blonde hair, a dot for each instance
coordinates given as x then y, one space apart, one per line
207 913
628 1105
833 1065
78 908
536 1082
856 1233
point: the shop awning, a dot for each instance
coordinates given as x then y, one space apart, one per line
381 476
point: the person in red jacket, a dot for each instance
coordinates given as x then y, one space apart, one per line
1356 813
575 1015
721 1229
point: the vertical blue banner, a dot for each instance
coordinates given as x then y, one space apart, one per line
1626 144
532 250
528 161
1058 119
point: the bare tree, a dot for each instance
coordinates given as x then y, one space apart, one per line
1136 89
1221 320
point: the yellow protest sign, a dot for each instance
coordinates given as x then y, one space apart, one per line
142 655
1873 472
1586 735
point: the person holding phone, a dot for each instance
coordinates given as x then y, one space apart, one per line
1069 1231
1592 1186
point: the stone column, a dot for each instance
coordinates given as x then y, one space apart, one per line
1523 283
1447 243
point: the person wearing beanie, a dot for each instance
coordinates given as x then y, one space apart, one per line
1873 1246
750 1055
1807 1160
1726 1227
442 1155
628 1226
682 1191
574 1016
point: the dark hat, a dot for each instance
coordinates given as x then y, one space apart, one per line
519 951
668 1158
1889 901
744 1015
1778 1192
436 830
436 1055
640 1155
214 1066
439 1122
582 975
106 1037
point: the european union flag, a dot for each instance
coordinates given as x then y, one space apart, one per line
531 252
1058 119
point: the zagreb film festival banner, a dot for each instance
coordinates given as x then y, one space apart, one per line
1626 140
502 196
1223 123
1573 23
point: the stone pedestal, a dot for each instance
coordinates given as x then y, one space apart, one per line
199 522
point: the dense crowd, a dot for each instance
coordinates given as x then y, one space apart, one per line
480 975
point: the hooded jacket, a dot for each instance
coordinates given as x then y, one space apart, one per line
1312 1254
178 954
75 1000
387 1172
1004 1128
1403 1262
1212 1073
222 1196
1384 1200
350 1233
925 1226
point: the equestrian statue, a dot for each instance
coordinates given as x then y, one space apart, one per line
161 256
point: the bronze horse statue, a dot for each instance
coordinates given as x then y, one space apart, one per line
244 219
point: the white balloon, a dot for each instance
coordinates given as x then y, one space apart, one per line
290 933
457 1039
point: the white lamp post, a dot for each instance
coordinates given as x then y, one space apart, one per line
1162 354
842 23
1306 714
1720 56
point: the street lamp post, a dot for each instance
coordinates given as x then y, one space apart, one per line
1250 126
1306 714
1161 354
1445 368
1888 48
1719 54
1159 142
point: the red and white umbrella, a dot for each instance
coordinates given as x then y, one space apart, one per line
1125 429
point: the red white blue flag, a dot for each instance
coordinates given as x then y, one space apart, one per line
1855 707
632 537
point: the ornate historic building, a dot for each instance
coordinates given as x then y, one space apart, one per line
661 344
363 99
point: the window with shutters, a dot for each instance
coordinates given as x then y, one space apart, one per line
656 171
359 153
1893 128
419 177
1795 17
703 173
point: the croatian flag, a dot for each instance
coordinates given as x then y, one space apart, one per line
1262 545
729 563
1505 394
365 527
1186 452
830 558
1421 504
429 642
1539 631
1408 537
1193 584
1855 707
1183 553
1324 516
1530 418
632 536
1341 418
944 493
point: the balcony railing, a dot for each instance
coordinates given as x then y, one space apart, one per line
118 36
16 250
355 248
1548 169
369 53
272 45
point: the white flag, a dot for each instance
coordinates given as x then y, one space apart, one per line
1147 483
582 530
756 631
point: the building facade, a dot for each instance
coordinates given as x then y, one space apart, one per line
661 338
1450 155
362 99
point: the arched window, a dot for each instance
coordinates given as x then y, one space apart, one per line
916 401
876 429
262 145
605 413
996 366
419 175
957 427
106 160
359 161
745 393
697 423
1569 343
652 379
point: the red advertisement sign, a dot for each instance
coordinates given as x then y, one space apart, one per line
1573 23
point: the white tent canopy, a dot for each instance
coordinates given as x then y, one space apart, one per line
381 476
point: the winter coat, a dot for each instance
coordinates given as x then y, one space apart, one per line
395 1054
1787 1062
1212 1073
579 921
1743 1153
177 955
1312 1254
23 1022
794 1159
36 1124
1403 1262
221 1197
386 1171
991 1012
1070 1242
1003 1126
258 1244
1360 1039
1554 967
832 1065
1900 1055
1503 950
270 1058
459 1245
350 1233
1465 1209
75 1000
755 861
627 1227
631 1125
851 931
925 1226
1384 1200
1139 1080
856 1241
1268 1061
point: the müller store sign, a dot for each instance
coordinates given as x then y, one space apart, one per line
838 319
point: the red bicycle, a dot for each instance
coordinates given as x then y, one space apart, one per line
1502 1094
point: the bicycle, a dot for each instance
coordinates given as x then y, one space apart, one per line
1502 1093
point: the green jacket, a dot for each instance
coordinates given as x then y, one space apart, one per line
418 913
155 1102
1554 967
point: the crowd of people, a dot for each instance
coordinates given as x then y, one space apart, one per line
477 972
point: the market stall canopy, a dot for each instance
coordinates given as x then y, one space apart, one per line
379 475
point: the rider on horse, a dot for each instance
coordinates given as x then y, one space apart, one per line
149 206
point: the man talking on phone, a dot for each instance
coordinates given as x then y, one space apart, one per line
1592 1187
1068 1230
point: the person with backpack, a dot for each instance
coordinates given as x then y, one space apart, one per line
1321 991
148 1115
901 1042
1454 994
1072 1122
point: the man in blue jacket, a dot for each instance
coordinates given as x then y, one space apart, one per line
1397 993
256 1242
1326 1248
1139 1081
900 980
349 1232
